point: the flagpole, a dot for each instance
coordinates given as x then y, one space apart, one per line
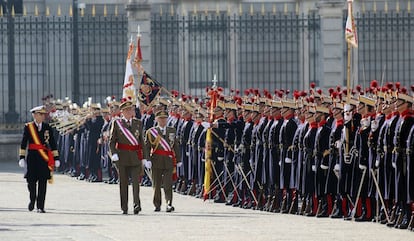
348 74
209 141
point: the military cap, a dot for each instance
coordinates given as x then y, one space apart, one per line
161 114
39 109
322 109
126 104
367 100
288 103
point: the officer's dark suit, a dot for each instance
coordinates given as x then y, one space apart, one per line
402 131
38 170
94 126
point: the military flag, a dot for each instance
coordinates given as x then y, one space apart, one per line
149 89
209 143
129 89
350 27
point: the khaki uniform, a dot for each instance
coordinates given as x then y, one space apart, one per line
162 163
130 163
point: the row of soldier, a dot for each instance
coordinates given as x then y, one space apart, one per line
316 156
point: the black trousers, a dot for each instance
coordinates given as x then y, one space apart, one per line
38 194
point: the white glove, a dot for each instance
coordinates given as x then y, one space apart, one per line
280 163
57 163
337 168
22 163
377 163
362 167
338 144
324 167
115 157
220 158
179 164
394 165
288 160
147 164
314 168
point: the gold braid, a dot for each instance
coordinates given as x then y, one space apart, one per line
155 142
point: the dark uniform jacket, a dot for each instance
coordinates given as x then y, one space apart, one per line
37 167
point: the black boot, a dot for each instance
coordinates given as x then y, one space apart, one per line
405 218
323 209
337 210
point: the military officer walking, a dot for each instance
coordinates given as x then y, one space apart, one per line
125 144
163 143
42 157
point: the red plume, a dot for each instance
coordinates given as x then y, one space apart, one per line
319 91
397 85
403 90
303 93
311 99
296 94
239 101
412 88
331 90
358 88
374 83
312 85
338 88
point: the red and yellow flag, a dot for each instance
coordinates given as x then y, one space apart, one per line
209 143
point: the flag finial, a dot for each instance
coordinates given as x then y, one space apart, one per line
214 81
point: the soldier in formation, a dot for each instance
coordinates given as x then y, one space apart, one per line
314 154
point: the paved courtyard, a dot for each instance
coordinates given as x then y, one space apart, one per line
78 210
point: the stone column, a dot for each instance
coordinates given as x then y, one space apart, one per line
139 13
332 43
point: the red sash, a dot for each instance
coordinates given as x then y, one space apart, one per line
127 147
166 152
44 152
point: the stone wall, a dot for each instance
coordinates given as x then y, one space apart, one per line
9 147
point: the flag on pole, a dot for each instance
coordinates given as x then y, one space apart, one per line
129 89
209 143
149 89
350 27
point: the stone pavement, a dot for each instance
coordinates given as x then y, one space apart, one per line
78 210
